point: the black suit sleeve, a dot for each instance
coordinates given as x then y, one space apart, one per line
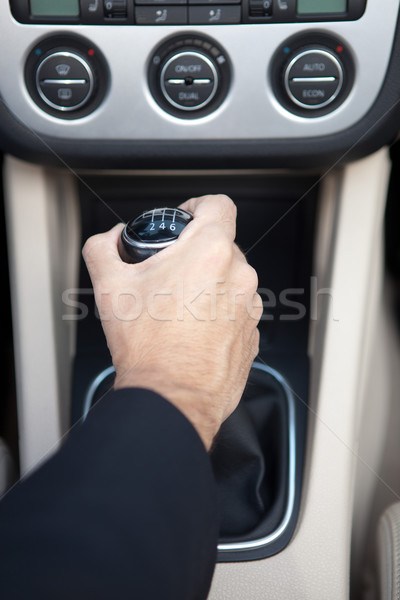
127 508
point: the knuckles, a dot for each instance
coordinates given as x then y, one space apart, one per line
250 278
245 277
92 244
258 307
228 207
220 250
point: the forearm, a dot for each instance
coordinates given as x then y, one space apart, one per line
126 509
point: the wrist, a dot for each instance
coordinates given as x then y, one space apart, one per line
195 404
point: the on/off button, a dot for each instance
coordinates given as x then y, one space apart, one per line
189 64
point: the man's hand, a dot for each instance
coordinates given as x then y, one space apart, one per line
183 323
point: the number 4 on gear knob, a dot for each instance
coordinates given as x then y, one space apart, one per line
151 232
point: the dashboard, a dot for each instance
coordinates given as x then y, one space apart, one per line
155 82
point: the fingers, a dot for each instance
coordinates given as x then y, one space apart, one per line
212 210
100 252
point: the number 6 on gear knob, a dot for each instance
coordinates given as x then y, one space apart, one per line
151 232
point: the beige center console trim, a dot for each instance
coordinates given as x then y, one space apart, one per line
316 563
43 248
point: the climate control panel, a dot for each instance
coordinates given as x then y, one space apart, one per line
86 71
189 76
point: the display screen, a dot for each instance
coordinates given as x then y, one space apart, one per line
54 8
319 7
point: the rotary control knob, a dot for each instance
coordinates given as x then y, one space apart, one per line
313 78
67 76
189 80
151 232
189 76
64 81
312 74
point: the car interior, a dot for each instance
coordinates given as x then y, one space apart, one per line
111 108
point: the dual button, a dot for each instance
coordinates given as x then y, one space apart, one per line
314 78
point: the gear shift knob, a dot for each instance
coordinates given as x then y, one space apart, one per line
152 231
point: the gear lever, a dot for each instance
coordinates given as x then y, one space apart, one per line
151 232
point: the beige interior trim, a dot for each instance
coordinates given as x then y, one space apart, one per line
372 430
43 246
316 563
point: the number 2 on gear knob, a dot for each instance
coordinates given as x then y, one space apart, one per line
151 232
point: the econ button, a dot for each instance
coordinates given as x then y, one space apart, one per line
313 93
189 81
